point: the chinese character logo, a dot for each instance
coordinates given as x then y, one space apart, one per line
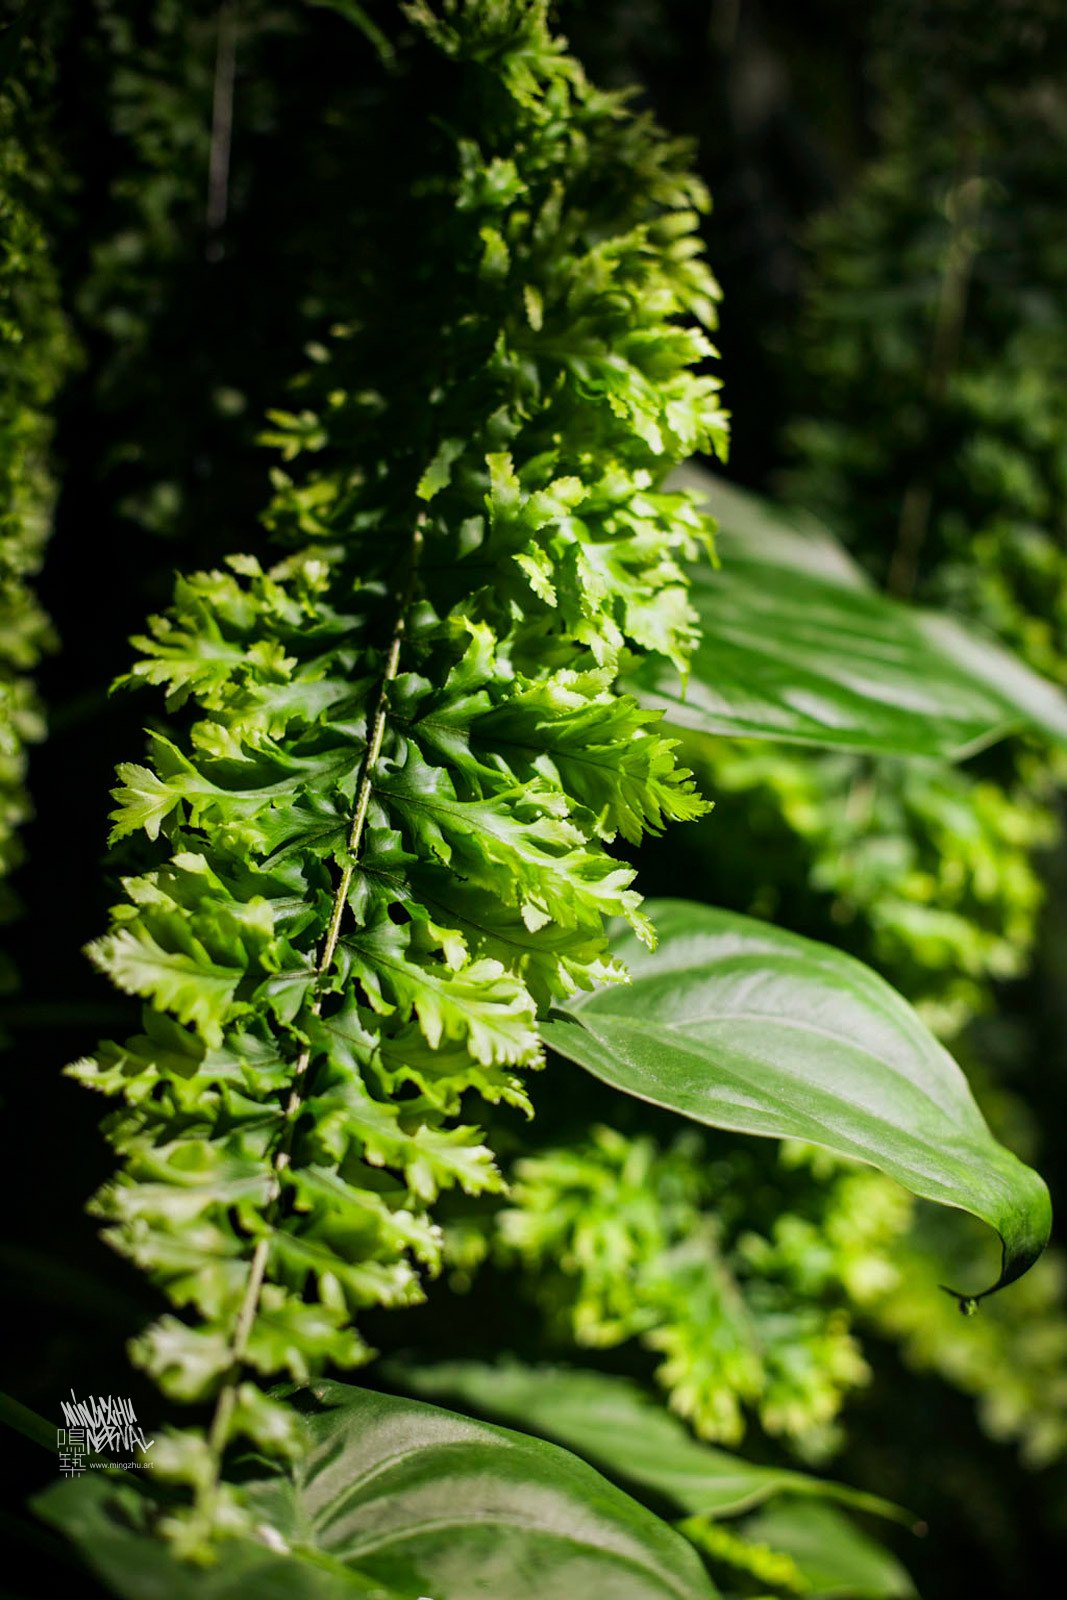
99 1425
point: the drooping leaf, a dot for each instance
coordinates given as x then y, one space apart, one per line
796 646
614 1424
395 1498
743 1026
1034 701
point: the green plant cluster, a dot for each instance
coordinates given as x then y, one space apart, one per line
957 493
35 353
757 1278
157 71
381 838
623 1238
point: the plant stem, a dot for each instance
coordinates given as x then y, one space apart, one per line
965 205
246 1316
218 181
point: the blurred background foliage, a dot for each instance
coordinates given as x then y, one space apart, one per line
182 182
35 353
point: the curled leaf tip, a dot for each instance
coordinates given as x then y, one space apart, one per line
967 1304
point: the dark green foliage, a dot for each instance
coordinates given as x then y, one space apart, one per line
931 439
35 352
195 182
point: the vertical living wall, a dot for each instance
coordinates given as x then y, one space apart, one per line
380 854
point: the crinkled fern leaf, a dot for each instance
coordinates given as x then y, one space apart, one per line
381 820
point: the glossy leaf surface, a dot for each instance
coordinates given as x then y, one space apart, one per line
796 646
740 1025
397 1499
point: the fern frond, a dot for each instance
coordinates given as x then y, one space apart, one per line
381 838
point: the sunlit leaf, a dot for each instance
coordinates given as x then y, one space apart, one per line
741 1025
796 646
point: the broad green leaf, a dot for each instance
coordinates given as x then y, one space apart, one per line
1035 701
399 1498
106 1520
796 646
836 1560
740 1025
613 1423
